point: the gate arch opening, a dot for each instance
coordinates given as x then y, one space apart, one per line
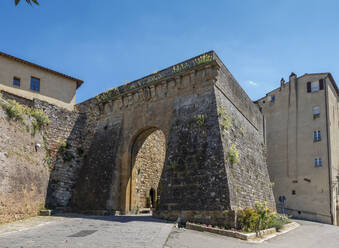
148 154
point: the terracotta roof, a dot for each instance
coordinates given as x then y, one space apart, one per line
78 81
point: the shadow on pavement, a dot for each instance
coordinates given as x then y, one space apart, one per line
120 219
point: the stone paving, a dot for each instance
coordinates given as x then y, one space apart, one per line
87 231
71 231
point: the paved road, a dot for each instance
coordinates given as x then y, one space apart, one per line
308 235
144 231
88 231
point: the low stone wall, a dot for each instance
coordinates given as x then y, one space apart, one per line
229 233
215 217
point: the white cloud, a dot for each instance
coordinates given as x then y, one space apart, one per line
252 83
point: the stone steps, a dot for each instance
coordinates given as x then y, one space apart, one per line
145 211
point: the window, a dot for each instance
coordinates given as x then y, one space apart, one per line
35 84
318 162
315 86
272 98
16 81
316 112
316 135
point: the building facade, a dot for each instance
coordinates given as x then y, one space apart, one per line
28 81
302 133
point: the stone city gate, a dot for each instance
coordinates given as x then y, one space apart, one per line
215 151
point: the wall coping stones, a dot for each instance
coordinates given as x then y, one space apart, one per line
170 72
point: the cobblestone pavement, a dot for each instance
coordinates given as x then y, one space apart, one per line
86 231
308 235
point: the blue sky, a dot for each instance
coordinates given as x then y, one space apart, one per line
107 43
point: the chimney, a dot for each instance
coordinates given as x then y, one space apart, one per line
293 76
293 80
282 83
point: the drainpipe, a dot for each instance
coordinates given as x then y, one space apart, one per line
328 152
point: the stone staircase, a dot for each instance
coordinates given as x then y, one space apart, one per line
145 211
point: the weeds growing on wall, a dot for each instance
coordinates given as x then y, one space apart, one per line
233 155
205 58
201 120
64 152
108 95
225 120
16 112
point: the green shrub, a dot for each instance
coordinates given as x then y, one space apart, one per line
259 218
246 219
278 221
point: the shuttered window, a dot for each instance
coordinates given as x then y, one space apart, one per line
315 86
318 162
316 136
308 86
321 84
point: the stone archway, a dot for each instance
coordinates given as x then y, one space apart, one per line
147 161
215 151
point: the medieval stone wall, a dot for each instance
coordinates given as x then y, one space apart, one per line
215 155
21 100
64 136
248 178
148 166
24 170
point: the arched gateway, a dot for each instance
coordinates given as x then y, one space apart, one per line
213 147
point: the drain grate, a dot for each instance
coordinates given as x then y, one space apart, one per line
83 233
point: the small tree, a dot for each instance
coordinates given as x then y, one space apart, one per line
27 1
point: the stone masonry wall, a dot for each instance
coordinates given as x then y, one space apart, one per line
148 167
64 136
65 127
21 100
194 176
248 179
94 182
203 113
24 171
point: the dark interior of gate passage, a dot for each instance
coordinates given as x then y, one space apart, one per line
148 153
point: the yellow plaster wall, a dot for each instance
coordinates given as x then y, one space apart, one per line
54 89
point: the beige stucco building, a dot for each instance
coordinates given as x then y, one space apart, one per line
28 80
302 135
